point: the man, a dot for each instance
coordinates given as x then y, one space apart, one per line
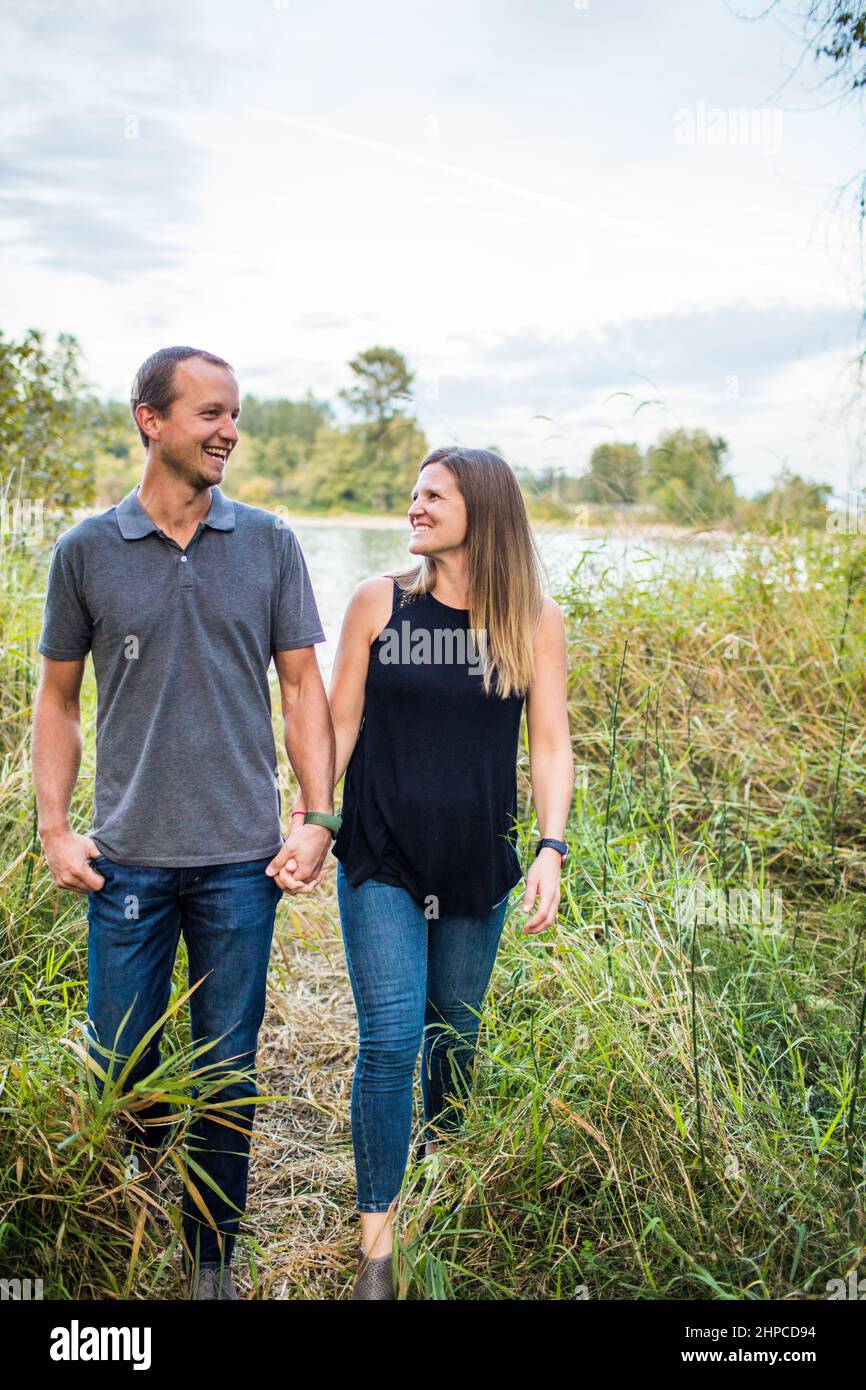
182 597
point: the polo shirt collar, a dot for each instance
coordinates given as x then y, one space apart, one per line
134 522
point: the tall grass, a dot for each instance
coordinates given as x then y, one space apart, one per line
669 1108
663 1107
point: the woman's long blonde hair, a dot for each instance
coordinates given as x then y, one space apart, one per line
505 568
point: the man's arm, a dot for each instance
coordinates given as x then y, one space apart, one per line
56 758
309 740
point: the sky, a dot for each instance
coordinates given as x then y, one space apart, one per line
580 222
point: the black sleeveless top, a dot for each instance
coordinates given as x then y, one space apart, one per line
430 796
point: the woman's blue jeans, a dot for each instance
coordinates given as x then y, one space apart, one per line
226 913
413 980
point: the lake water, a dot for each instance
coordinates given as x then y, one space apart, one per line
339 557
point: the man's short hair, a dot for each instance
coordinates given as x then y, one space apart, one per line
154 383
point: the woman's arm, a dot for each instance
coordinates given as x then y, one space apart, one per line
366 614
551 763
361 623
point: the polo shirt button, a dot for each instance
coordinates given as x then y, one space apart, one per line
183 559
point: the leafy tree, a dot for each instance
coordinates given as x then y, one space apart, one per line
284 419
49 429
392 470
113 422
835 33
614 475
382 382
119 456
550 493
333 473
344 472
838 30
793 502
380 455
685 478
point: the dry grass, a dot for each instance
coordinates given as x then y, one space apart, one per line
660 1111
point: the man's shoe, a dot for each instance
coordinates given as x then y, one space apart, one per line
373 1279
214 1283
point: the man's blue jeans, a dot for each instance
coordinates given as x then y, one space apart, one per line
412 979
226 913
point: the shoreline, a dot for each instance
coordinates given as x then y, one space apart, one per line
624 530
619 529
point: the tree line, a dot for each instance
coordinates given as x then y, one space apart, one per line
60 443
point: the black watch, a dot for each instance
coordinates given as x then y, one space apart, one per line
558 845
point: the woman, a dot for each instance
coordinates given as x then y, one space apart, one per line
426 847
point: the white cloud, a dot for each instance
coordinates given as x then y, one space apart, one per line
496 189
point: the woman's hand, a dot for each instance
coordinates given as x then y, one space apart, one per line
543 883
299 866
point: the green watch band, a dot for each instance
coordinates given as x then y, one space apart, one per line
322 818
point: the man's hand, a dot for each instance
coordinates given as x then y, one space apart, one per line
299 866
68 858
542 881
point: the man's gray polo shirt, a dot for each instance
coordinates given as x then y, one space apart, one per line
186 768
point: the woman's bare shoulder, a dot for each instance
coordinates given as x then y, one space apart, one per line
551 621
371 603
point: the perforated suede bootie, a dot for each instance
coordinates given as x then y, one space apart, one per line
373 1278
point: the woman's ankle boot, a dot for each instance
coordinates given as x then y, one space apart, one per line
373 1278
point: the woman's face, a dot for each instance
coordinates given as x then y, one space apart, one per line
438 512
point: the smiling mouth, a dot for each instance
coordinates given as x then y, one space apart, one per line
423 527
221 454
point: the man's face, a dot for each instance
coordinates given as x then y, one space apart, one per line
199 431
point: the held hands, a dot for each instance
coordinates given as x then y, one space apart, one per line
542 883
68 858
300 865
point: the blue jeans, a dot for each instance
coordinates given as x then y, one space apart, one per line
226 913
412 978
